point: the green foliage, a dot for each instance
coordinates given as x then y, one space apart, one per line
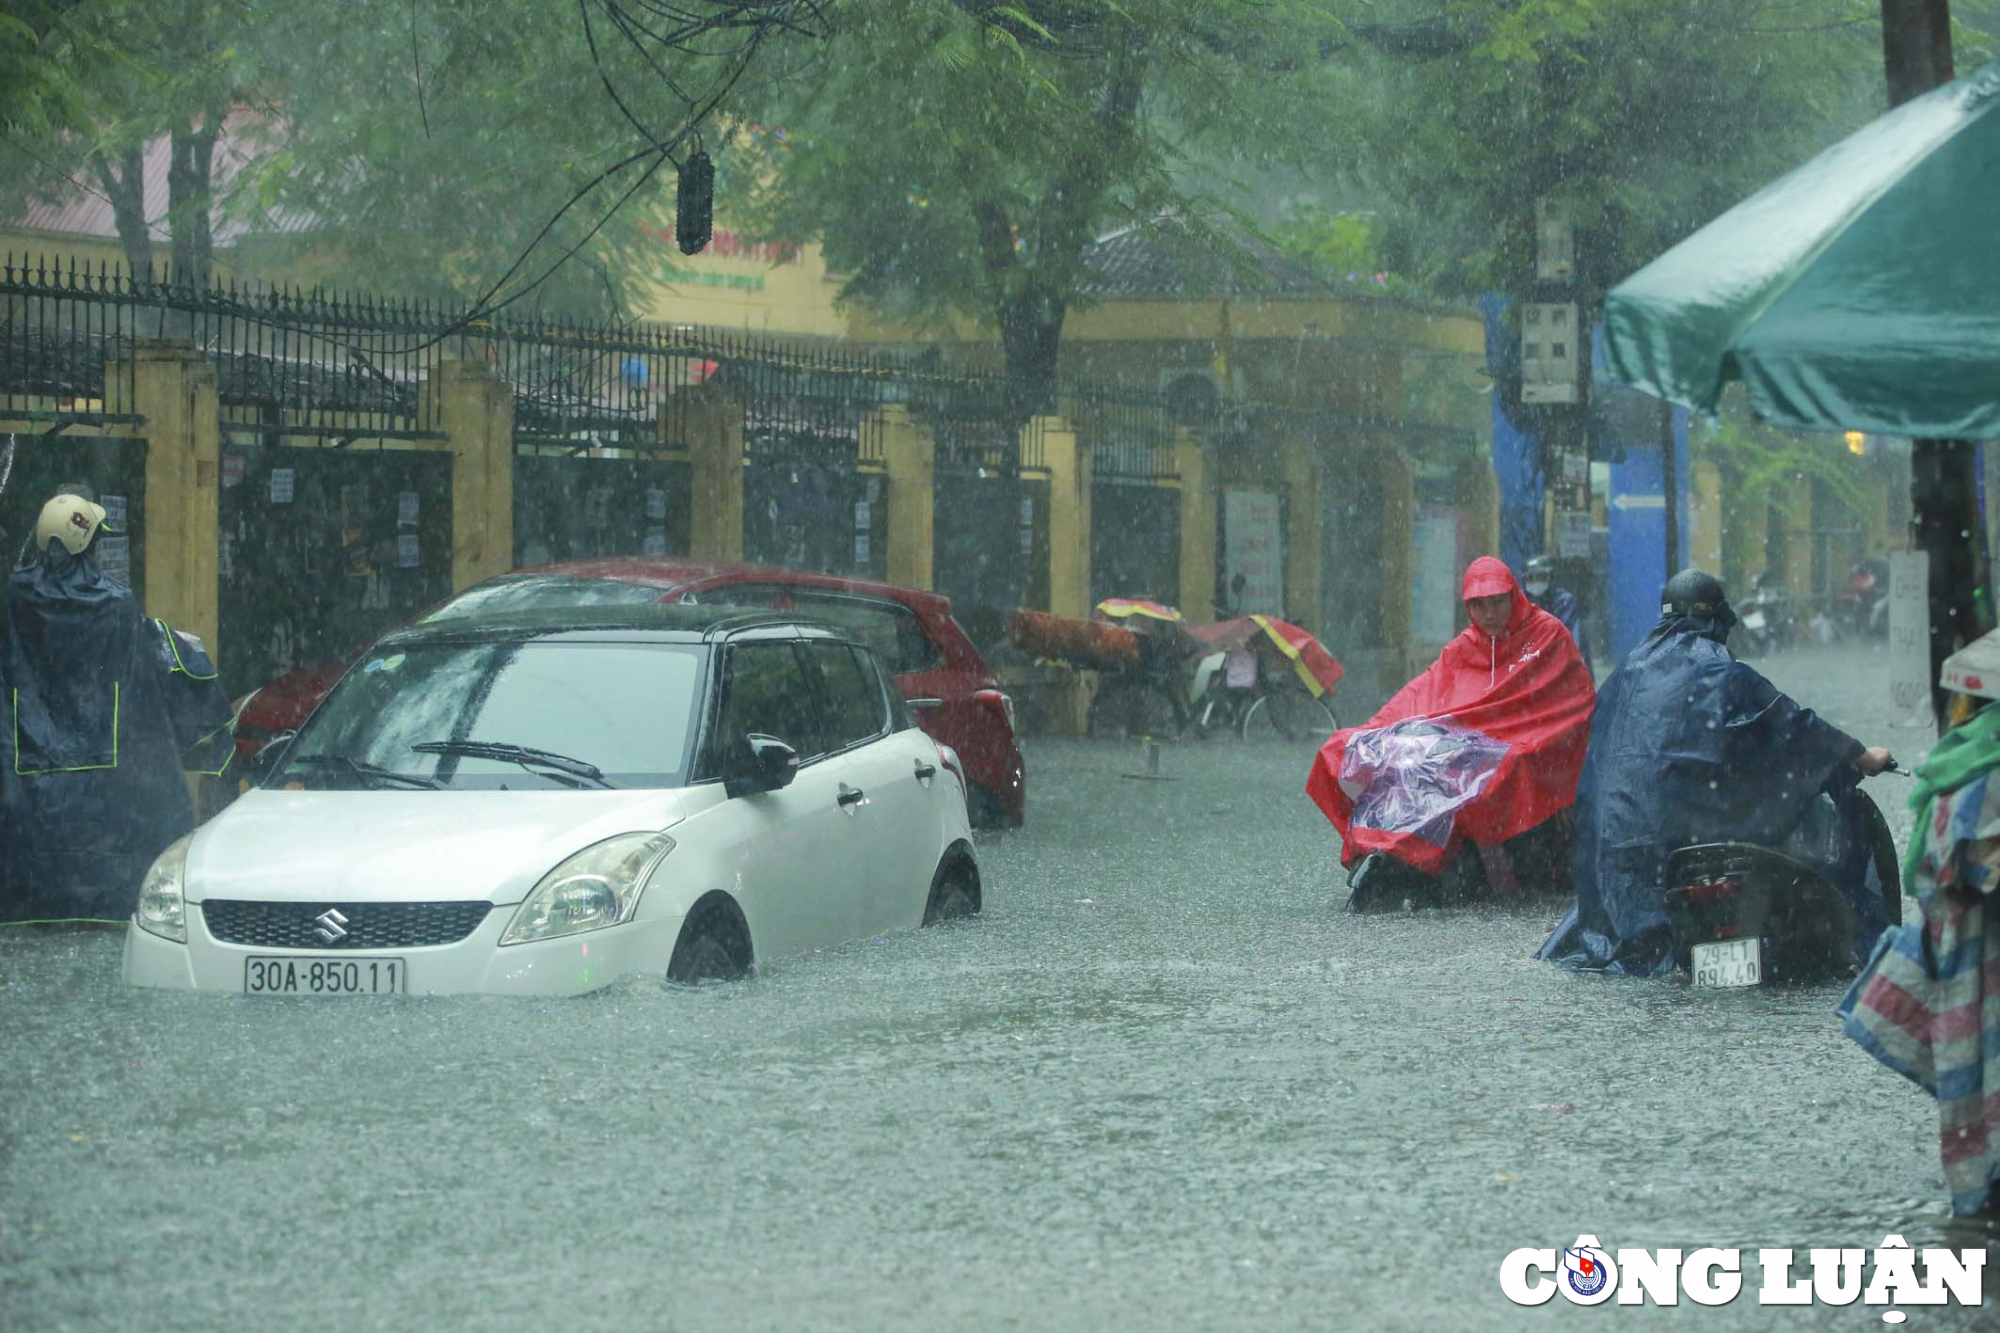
1764 466
419 149
957 160
1644 118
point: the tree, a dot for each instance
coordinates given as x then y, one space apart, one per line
1643 118
961 159
449 149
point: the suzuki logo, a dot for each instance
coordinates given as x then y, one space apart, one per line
330 922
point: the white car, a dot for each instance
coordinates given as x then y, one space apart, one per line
544 803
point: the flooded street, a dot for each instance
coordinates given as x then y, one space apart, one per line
1164 1083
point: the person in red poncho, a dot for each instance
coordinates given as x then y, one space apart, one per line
1483 748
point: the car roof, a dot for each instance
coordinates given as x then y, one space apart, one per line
667 622
671 572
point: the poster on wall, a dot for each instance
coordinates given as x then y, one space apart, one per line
1252 549
1434 574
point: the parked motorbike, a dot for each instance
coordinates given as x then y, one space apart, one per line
1861 609
1769 619
1748 915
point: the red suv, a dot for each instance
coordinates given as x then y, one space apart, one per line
955 697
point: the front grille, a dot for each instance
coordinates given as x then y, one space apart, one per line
368 925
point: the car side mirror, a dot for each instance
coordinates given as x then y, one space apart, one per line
767 764
270 754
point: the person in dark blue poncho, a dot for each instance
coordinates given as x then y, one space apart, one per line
105 709
1689 745
1538 581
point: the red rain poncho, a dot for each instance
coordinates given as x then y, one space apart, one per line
1527 688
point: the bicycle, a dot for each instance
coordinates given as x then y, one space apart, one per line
1244 696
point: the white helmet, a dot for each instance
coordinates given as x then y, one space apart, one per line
71 520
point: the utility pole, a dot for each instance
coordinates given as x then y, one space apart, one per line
1944 483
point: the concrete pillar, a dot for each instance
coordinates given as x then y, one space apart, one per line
1708 554
1399 508
1068 462
476 412
173 386
908 455
1196 467
712 429
1305 517
1795 511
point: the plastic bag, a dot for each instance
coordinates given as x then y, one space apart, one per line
1413 776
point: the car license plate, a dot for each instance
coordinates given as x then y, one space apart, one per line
323 976
1728 963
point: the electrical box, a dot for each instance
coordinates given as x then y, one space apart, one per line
1549 352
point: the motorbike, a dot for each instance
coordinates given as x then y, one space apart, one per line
1861 609
1742 914
1768 621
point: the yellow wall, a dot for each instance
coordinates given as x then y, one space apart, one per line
739 284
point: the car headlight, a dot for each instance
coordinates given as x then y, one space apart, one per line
162 907
598 887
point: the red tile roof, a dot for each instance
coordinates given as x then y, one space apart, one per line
79 207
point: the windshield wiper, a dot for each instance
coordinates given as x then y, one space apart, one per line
368 772
559 766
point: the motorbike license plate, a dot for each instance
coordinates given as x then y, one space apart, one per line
323 976
1753 620
1728 963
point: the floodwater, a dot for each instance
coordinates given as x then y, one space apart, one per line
1164 1084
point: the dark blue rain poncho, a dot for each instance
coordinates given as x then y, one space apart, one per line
1562 604
1689 745
105 708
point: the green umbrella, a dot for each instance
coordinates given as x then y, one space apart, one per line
1860 292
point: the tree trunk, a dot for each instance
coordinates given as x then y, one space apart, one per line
190 171
126 186
1916 47
1031 335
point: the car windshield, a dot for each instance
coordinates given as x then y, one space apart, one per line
538 591
514 715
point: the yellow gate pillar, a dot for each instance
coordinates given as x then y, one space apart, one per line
1478 493
712 429
1198 477
173 386
1399 512
1068 460
476 412
908 456
1305 510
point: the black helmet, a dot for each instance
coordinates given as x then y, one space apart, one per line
1697 595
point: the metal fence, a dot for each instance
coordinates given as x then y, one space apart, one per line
340 366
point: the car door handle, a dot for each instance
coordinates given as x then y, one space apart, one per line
925 772
850 796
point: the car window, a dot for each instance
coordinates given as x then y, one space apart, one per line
900 716
535 591
855 708
890 629
765 690
625 708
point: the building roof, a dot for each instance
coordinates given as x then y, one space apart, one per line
80 208
1166 260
